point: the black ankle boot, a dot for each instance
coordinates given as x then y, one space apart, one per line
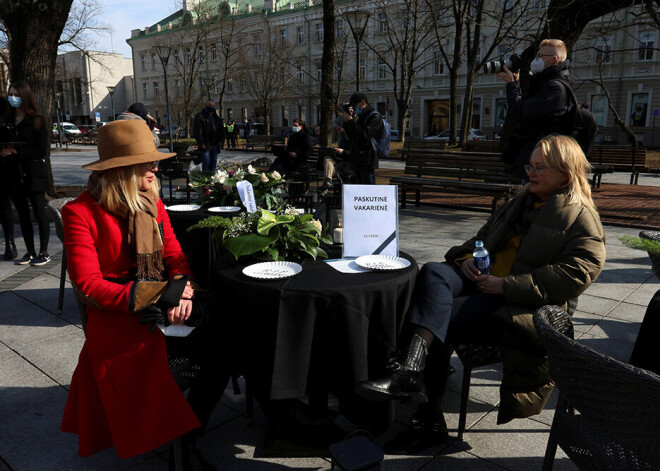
420 435
10 249
407 378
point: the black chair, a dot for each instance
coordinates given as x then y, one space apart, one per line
608 412
54 211
476 356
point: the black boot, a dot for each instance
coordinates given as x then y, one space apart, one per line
407 378
10 249
188 457
420 435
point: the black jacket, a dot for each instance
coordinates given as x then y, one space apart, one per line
27 167
362 155
207 129
539 113
301 143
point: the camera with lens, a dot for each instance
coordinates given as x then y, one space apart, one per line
513 63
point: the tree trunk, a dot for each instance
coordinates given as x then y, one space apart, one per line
327 69
33 33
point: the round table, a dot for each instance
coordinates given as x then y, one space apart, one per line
320 330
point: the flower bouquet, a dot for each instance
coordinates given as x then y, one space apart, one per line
286 236
219 188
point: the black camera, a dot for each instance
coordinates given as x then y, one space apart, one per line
513 63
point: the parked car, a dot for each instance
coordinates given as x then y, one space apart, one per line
473 135
86 129
70 129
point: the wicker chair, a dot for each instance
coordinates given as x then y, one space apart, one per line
54 210
608 412
476 356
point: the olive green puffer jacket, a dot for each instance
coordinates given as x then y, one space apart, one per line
561 253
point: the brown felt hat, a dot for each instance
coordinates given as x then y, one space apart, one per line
124 143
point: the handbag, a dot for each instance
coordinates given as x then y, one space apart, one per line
197 158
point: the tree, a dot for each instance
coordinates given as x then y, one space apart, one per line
327 71
407 32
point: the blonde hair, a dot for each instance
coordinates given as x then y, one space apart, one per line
559 47
119 187
563 153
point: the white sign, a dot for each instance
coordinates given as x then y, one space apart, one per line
371 220
97 115
246 192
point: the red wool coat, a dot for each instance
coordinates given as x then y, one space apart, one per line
122 392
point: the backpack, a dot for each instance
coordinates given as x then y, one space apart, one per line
382 144
580 123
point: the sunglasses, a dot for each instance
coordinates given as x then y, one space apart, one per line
150 165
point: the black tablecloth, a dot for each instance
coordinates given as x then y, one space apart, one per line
319 329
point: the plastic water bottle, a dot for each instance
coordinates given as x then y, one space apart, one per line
481 258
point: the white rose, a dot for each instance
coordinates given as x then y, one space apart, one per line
263 177
276 175
252 170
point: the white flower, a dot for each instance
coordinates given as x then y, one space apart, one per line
316 224
276 175
252 170
291 211
263 177
219 177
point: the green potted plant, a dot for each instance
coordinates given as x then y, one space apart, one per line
288 236
648 241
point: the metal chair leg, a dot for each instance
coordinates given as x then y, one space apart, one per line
465 393
60 301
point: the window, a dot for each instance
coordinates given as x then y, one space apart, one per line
187 59
603 49
646 45
500 111
382 70
145 91
153 61
177 61
202 85
155 89
300 33
319 73
214 55
639 109
438 63
244 113
258 47
283 38
300 73
340 31
319 31
230 114
363 68
230 86
143 64
382 23
284 116
476 113
177 87
200 54
216 84
302 112
599 109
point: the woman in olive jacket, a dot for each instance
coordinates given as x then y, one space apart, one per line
547 246
24 175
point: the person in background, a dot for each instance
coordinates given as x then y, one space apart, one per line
297 150
547 246
336 163
24 175
207 130
246 130
139 111
231 134
128 269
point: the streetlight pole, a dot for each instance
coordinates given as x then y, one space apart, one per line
58 96
164 55
357 21
111 91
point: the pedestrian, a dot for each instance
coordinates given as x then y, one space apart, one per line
246 131
207 132
231 134
24 176
139 111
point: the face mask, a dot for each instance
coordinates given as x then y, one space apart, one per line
15 101
537 65
294 128
210 109
357 111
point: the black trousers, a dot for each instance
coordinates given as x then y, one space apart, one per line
22 199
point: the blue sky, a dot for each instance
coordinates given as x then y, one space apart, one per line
126 15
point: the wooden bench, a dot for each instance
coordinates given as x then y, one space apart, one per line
54 140
608 159
490 146
472 173
266 142
421 144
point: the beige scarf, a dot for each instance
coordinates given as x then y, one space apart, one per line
143 232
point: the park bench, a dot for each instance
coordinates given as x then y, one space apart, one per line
475 173
608 159
421 144
265 142
54 140
490 146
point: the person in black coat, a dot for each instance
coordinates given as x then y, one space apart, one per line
542 111
24 175
361 127
298 147
208 132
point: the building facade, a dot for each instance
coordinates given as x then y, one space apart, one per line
254 41
81 86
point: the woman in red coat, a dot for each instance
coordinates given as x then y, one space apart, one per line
124 260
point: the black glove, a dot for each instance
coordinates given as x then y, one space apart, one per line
153 315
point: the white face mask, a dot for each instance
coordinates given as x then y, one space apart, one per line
537 65
294 128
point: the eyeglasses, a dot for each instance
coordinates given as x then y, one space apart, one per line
153 164
535 170
546 55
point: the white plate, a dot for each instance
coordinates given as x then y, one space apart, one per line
183 207
382 262
272 270
224 209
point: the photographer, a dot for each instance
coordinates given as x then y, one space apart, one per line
541 112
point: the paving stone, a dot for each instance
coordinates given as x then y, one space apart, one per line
615 348
628 312
615 329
